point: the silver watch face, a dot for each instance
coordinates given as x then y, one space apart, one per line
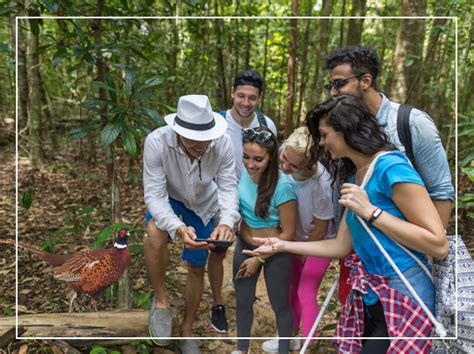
377 212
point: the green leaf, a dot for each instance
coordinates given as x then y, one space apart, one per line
33 24
4 11
467 160
51 5
94 103
103 85
153 81
78 133
26 200
142 300
130 143
8 311
129 79
5 47
102 237
79 32
97 349
136 249
110 133
408 62
143 94
329 327
153 115
110 82
469 171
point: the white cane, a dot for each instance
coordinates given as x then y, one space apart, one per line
320 314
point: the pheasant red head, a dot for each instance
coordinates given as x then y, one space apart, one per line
122 238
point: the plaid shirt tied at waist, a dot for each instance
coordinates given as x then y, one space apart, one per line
403 315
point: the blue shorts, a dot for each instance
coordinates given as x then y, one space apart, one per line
194 257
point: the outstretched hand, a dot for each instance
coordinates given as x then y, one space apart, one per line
269 245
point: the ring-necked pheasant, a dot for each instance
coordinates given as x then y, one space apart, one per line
90 271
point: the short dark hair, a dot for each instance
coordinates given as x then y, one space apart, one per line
350 116
249 77
362 59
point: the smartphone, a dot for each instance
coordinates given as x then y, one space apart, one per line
240 273
222 243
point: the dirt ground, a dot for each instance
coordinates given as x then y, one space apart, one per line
69 205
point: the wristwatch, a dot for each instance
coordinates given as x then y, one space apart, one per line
375 214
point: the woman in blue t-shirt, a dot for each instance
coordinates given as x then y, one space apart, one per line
395 205
268 209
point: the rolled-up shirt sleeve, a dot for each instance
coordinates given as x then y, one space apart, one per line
154 185
430 157
226 181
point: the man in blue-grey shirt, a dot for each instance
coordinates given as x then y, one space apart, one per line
353 71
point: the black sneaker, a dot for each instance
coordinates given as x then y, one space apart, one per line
218 320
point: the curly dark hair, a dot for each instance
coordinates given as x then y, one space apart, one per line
362 59
349 115
249 77
269 179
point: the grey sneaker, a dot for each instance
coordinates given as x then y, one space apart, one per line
160 325
189 346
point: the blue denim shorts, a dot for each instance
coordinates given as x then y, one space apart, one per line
420 281
194 257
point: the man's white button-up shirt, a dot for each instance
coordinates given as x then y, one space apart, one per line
169 172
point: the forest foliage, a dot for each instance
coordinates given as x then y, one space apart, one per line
103 73
96 76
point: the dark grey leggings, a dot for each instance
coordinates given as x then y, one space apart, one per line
277 272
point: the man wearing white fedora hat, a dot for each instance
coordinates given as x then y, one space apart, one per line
189 172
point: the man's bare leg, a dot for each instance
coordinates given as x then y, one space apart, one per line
193 296
156 258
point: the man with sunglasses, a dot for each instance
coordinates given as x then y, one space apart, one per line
190 191
353 71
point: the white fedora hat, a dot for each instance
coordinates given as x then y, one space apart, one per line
195 119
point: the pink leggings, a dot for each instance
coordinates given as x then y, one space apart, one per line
305 281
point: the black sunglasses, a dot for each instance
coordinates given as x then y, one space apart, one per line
339 83
260 137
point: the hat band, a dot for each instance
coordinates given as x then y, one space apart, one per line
193 126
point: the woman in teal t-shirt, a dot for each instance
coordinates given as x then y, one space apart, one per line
396 206
268 209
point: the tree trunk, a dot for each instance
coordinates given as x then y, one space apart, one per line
304 56
290 92
424 75
321 48
354 34
220 55
409 48
265 61
22 78
123 295
248 43
466 91
237 40
341 28
34 105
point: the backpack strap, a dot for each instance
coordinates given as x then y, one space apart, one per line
262 122
260 117
403 130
